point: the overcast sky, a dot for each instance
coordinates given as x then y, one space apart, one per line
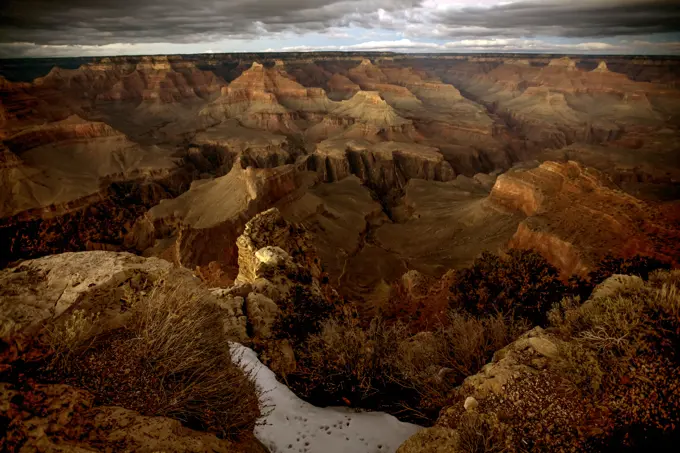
115 27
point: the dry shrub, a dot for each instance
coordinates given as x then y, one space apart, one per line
520 283
302 313
640 265
404 371
479 433
623 352
344 359
433 363
172 359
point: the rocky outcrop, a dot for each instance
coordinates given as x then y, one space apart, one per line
366 115
72 128
204 223
519 363
46 288
158 79
532 384
445 225
560 104
555 197
260 149
267 98
385 166
59 418
277 262
341 88
21 107
74 184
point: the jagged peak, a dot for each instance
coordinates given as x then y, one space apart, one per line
366 62
601 67
256 66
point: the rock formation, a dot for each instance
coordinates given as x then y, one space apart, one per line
204 222
385 166
267 99
556 197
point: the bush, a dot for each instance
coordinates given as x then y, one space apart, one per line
302 314
385 367
480 434
639 265
623 352
70 337
345 361
521 283
434 363
172 359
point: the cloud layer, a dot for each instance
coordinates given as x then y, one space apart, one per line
95 22
39 27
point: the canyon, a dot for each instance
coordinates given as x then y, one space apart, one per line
319 217
393 162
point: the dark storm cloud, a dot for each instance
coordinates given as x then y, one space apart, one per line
94 22
580 18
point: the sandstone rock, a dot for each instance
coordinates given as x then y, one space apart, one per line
510 362
601 67
616 284
532 100
470 404
59 418
207 220
97 284
556 196
235 310
267 98
47 287
262 312
269 229
386 166
271 256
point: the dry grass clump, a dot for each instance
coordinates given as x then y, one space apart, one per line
172 359
479 433
71 337
388 366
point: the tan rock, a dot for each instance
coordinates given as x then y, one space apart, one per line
510 362
431 440
235 320
616 284
470 404
262 313
45 288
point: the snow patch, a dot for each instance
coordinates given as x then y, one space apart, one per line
295 426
